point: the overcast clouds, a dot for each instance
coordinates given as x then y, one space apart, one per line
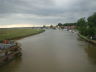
38 12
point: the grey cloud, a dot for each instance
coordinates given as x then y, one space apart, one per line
47 11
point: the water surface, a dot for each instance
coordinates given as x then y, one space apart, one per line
54 51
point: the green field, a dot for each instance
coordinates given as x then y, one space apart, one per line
10 34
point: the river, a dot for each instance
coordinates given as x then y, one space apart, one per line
54 51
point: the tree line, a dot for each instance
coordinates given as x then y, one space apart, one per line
86 27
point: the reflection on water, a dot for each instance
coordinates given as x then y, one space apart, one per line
91 51
54 51
11 66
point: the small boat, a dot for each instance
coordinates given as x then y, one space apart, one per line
9 50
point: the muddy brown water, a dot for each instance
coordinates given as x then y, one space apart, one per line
54 51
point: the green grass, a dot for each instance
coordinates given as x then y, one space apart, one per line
17 33
87 39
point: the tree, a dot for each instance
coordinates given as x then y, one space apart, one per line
60 24
92 20
82 26
51 26
92 24
44 26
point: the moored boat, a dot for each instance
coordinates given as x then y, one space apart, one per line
9 50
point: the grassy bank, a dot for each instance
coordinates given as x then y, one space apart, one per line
87 39
17 33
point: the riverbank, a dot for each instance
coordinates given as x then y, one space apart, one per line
14 51
13 34
86 39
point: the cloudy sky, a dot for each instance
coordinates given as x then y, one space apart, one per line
16 13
